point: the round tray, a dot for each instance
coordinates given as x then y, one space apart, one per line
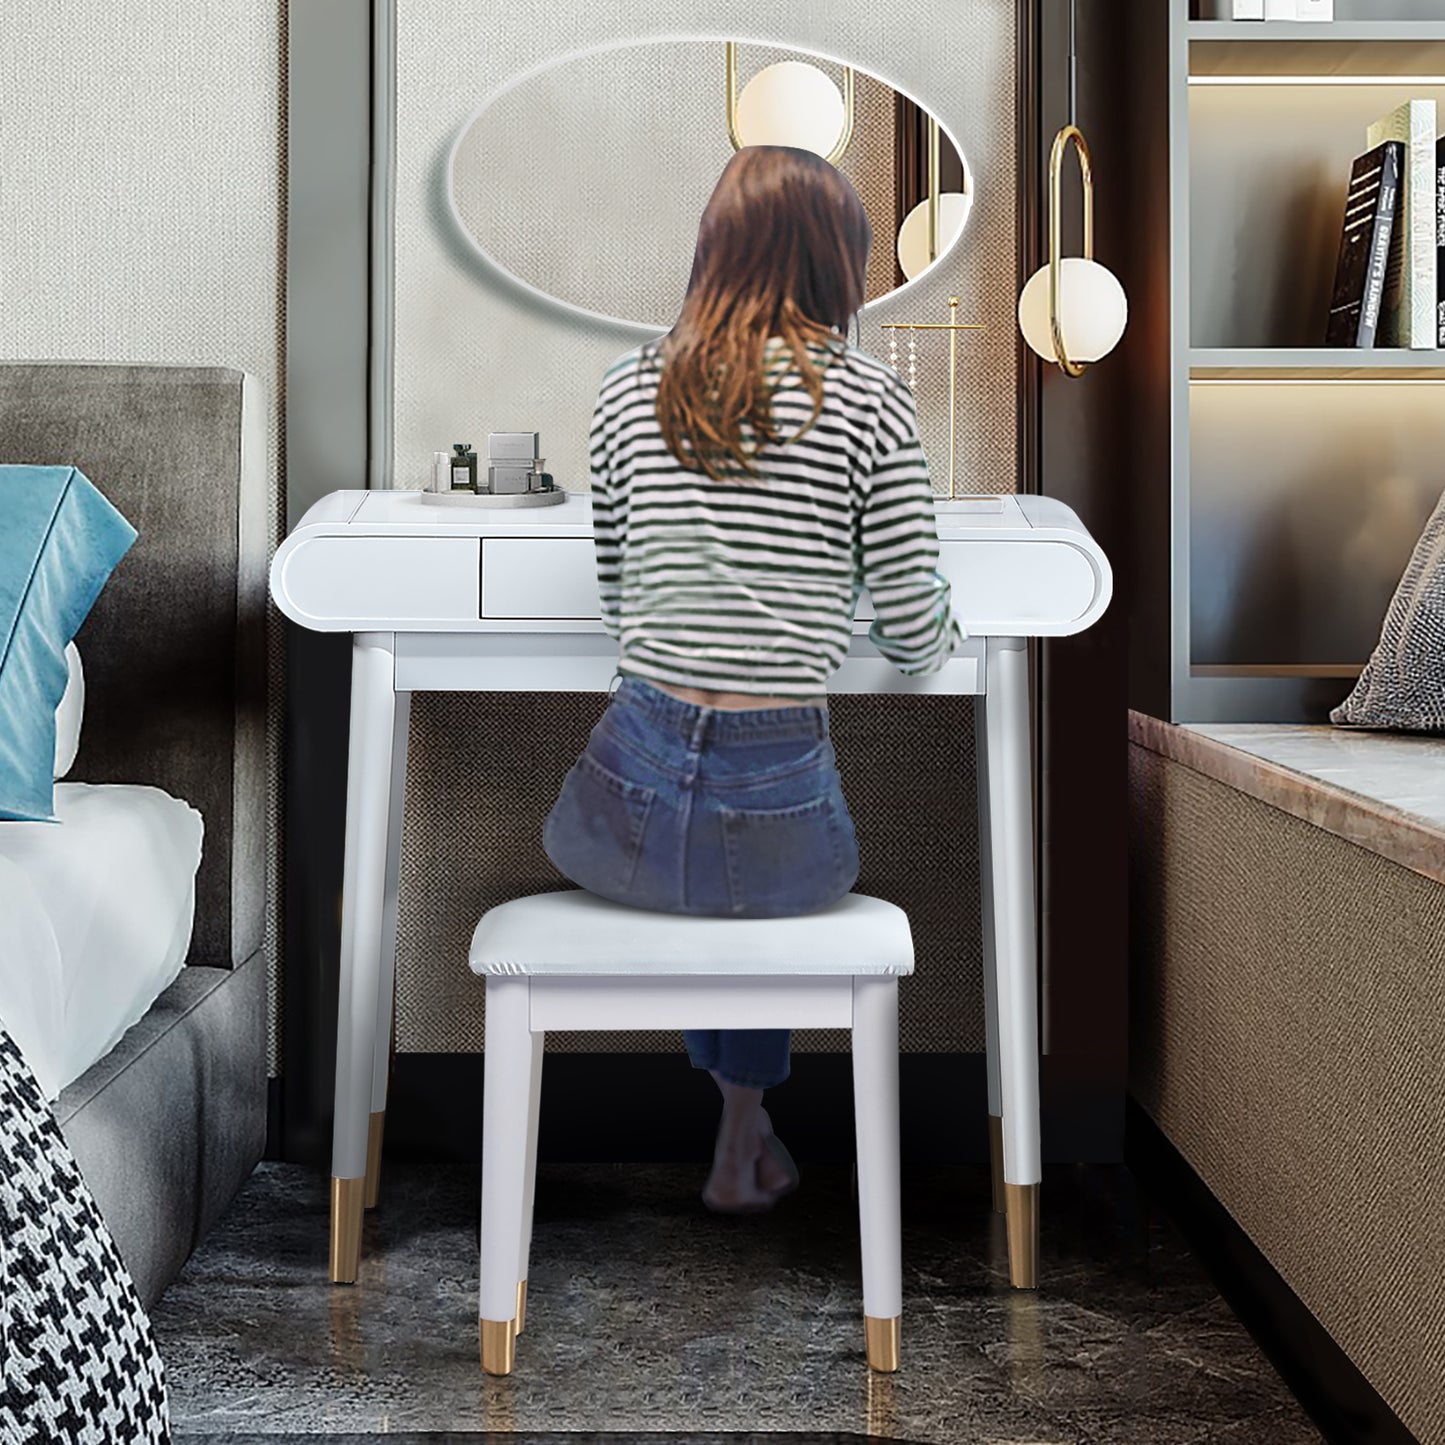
490 500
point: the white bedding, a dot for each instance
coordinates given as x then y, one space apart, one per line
95 920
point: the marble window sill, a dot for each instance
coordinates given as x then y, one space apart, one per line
1382 791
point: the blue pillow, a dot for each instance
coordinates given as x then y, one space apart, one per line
59 541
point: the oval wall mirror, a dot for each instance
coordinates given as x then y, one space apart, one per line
584 179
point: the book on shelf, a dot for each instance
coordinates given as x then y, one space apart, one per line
1408 314
1371 208
1440 241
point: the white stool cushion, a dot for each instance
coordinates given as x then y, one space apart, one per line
576 933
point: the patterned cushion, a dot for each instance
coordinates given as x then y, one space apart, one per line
77 1358
1403 684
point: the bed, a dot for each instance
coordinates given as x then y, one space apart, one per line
131 933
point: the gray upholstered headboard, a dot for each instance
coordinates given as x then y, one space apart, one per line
174 650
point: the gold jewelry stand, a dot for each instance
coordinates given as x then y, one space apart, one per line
953 326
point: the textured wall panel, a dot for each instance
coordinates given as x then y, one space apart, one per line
143 154
474 353
1286 1023
484 770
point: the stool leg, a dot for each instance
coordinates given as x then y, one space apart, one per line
507 1073
1011 862
386 983
990 987
875 1103
368 808
529 1183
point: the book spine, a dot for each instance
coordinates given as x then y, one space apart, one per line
1440 242
1420 216
1385 213
1413 124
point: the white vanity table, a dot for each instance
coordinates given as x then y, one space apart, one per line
461 599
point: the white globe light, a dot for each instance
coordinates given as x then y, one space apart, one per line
953 209
1093 310
791 104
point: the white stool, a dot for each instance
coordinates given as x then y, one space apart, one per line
572 960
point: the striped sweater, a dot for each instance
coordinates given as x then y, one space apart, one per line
750 585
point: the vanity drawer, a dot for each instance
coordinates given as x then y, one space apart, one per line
539 577
361 583
1012 583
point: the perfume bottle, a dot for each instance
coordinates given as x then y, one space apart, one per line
464 467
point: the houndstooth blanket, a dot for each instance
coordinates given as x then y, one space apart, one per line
78 1364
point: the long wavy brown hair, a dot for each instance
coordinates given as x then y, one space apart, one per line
782 250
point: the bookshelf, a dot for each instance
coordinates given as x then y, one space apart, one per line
1301 475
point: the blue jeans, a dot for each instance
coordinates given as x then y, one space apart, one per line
681 808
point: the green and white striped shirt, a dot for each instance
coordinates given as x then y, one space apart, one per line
750 585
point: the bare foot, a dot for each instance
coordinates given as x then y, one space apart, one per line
751 1170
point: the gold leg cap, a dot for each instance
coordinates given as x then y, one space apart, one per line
521 1305
884 1337
499 1346
1021 1208
374 1129
346 1211
995 1157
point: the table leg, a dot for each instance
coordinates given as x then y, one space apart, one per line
368 798
386 983
1011 866
990 985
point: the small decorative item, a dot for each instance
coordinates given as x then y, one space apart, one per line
1249 9
441 472
1280 10
464 467
515 474
1314 9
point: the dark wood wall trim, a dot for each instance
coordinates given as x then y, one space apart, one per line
1097 453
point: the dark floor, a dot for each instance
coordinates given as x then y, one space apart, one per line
646 1313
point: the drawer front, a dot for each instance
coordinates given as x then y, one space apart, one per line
1014 582
539 577
378 582
1043 582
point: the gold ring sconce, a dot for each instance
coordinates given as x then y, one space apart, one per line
845 136
1069 134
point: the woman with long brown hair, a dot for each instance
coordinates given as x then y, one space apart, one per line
752 471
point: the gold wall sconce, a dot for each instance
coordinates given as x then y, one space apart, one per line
790 103
794 103
953 326
1072 311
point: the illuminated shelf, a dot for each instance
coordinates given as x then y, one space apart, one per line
1315 364
1328 50
1349 671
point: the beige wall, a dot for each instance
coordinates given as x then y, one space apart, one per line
475 354
142 192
